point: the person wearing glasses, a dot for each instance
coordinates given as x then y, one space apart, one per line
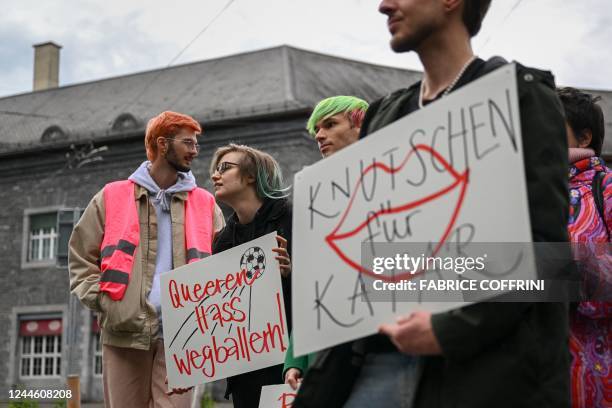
250 182
131 232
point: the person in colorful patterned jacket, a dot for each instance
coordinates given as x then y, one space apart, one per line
590 225
131 232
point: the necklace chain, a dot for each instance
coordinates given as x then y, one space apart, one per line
452 85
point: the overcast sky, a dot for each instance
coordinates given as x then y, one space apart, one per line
107 38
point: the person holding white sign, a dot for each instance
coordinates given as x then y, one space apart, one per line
486 354
250 182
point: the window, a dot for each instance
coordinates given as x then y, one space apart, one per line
97 348
42 241
66 220
40 348
125 121
46 233
53 133
97 354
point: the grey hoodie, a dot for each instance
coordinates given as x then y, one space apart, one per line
161 202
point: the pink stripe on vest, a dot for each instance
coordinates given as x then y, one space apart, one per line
121 224
199 215
122 233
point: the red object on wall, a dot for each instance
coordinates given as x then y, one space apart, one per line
47 327
95 327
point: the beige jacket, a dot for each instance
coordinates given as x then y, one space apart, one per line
130 322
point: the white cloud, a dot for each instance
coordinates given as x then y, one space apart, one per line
115 37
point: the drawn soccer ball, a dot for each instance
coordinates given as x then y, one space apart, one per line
253 260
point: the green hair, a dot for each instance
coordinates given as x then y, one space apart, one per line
270 182
334 105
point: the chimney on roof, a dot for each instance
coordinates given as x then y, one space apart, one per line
46 65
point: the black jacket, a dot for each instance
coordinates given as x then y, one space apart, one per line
274 215
505 354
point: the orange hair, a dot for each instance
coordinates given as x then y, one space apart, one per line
167 124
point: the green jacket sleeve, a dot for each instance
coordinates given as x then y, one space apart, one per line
465 332
301 363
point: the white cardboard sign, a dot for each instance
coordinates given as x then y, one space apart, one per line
224 315
450 170
277 396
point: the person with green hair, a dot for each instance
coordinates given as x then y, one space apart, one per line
335 123
250 182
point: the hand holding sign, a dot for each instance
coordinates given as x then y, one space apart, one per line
283 258
293 377
413 334
177 391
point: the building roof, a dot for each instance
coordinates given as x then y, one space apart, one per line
270 81
274 80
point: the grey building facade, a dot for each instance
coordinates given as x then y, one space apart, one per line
59 146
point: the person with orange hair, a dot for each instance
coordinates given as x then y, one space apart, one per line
131 232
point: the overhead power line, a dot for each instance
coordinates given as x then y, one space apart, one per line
148 85
229 3
193 40
499 26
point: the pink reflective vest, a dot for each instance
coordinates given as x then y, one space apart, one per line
122 233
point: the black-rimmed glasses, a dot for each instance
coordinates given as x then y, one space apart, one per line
224 166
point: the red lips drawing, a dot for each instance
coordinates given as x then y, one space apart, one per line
458 181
